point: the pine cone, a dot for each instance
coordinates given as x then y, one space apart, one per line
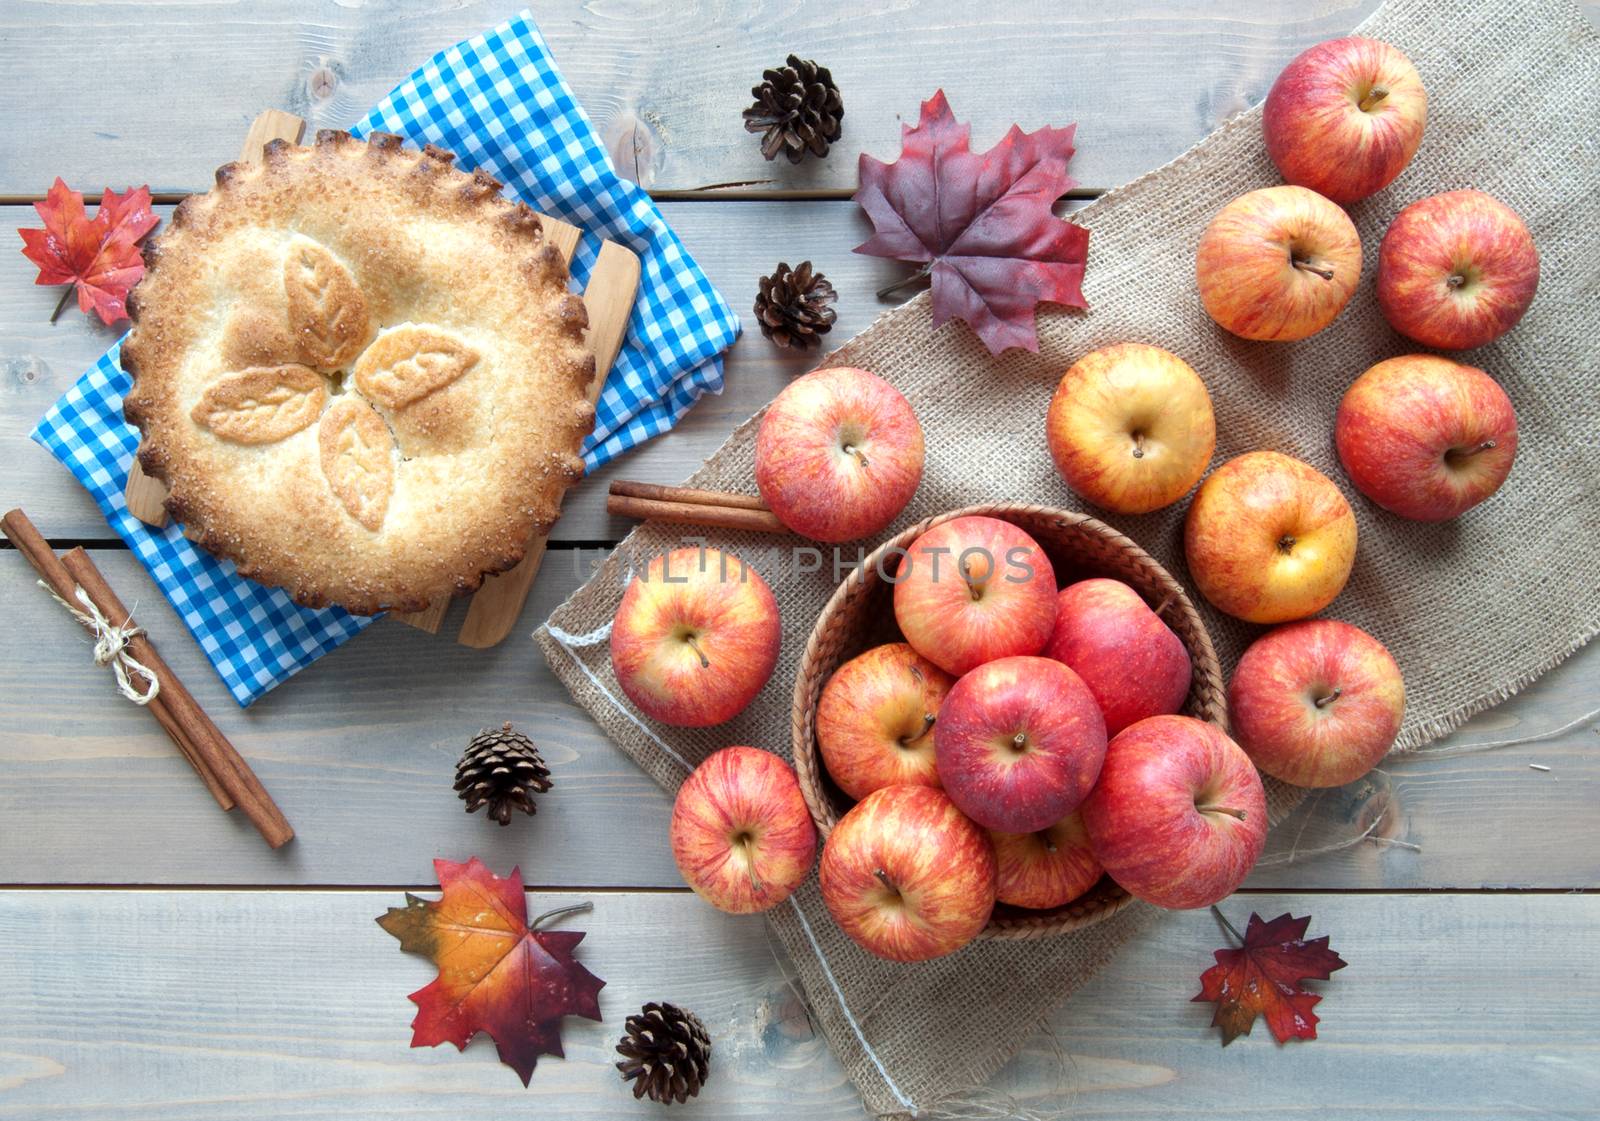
666 1052
799 109
502 770
792 305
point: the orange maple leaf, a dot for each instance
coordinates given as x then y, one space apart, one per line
98 256
1264 977
497 972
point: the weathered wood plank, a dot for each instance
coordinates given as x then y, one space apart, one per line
359 752
663 81
286 1005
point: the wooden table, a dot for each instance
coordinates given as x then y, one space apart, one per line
159 962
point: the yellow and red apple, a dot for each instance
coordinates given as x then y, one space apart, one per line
1019 742
876 717
839 454
907 876
1345 117
1456 270
741 834
695 637
1316 703
1269 538
1131 661
974 589
1131 428
1279 263
1046 868
1179 816
1425 437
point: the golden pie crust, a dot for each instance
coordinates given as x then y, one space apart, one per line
359 372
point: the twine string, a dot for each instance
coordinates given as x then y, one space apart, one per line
111 646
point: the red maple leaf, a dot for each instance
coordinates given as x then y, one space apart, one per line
981 226
1263 976
99 256
497 972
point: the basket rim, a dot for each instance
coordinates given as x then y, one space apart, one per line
1106 898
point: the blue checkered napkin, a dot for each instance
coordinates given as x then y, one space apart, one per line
499 103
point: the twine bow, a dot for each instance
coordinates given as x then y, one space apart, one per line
111 646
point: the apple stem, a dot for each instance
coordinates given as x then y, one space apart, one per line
705 662
1226 925
1229 810
972 588
1049 845
750 866
1328 698
883 877
1312 267
1455 280
1019 741
559 911
1465 453
928 719
1374 95
1138 445
861 456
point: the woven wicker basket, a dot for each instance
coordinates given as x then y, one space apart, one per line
860 615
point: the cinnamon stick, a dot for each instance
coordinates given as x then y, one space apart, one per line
37 552
210 744
718 517
627 488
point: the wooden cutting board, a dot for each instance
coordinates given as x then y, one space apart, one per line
613 283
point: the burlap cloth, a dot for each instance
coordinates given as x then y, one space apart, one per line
1473 609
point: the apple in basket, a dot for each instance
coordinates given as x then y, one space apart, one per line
1019 742
974 589
1131 428
1316 703
1425 437
1130 660
695 637
1278 263
1045 868
1456 270
741 834
1179 816
906 875
839 454
876 717
1269 538
1345 117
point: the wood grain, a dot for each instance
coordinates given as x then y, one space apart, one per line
663 80
292 1006
359 751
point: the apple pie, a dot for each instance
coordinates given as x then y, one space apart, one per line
359 372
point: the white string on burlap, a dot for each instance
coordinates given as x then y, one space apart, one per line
111 646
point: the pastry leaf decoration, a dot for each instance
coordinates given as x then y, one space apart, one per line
498 973
328 329
327 312
262 405
410 362
357 459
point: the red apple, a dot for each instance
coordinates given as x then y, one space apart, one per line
1345 117
1047 868
1179 815
1456 270
1279 263
876 717
907 876
1269 538
695 637
974 589
839 454
1316 703
1131 428
1019 742
741 833
1425 437
1130 660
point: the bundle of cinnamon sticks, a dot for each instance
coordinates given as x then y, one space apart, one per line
691 506
226 775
